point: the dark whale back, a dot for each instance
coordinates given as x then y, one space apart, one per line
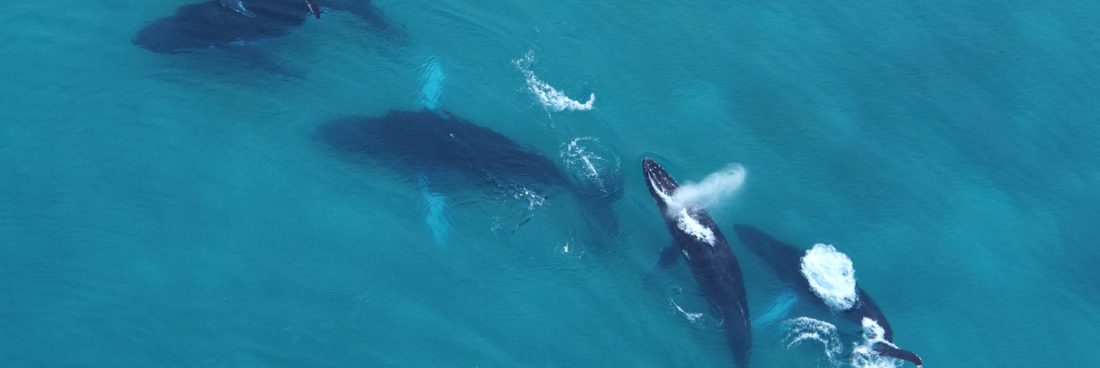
207 24
456 153
438 142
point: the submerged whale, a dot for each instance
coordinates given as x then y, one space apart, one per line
452 153
231 25
697 238
853 304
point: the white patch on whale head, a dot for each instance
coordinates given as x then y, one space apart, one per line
652 181
689 225
831 276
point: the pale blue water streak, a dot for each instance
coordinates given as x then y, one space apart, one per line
176 210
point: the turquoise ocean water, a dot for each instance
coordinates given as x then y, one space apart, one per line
178 210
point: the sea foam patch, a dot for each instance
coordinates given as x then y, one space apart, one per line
551 98
831 276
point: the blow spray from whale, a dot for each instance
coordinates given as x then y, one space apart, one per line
713 190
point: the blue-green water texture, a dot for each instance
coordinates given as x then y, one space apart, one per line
202 208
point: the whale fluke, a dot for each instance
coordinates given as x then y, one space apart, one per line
898 353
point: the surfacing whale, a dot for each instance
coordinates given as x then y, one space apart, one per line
697 238
452 153
787 262
232 25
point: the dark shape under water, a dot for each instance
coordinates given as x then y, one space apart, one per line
786 261
455 153
210 25
712 262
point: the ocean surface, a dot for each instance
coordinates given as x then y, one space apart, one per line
179 210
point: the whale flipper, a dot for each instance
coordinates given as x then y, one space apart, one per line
669 255
432 89
435 217
238 6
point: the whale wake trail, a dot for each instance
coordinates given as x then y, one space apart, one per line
713 190
551 98
801 329
831 276
586 158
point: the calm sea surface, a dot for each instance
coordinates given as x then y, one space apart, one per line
179 210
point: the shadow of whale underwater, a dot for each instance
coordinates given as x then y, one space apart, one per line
454 154
210 25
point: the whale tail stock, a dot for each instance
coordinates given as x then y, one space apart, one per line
895 352
739 340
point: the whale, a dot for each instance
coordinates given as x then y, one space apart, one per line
786 261
234 26
453 155
698 240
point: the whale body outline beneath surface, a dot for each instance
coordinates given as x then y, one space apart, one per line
785 260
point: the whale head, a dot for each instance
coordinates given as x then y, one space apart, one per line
661 185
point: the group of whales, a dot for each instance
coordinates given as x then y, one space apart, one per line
714 266
457 153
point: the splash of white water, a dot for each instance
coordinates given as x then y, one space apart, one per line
551 98
831 276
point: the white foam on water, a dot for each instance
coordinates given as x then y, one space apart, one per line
581 158
533 198
802 329
431 90
691 317
831 276
551 98
864 354
689 225
713 190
